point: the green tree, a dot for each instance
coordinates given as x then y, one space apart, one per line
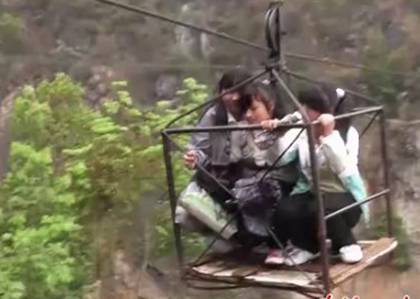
75 176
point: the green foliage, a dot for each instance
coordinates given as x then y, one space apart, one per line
193 243
191 94
402 259
42 248
38 229
73 170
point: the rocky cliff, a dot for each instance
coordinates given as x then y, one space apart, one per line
96 43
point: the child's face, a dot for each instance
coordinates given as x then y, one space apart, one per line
231 101
257 112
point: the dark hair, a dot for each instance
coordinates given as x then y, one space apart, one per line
339 106
228 80
264 93
316 99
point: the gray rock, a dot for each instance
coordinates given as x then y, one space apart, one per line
404 148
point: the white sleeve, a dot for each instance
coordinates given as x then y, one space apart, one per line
337 154
290 142
343 163
352 145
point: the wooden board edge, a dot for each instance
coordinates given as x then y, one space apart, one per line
249 281
346 275
346 266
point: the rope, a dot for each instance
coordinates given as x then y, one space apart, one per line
325 60
182 24
318 82
186 66
333 62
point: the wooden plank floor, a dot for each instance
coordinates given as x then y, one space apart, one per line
372 252
241 269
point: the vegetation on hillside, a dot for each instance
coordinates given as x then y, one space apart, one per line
85 182
76 175
39 38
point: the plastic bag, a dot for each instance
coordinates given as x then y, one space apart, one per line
199 204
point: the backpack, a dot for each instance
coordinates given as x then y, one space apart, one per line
256 202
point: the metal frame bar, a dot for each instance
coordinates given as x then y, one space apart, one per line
281 67
385 167
225 128
371 121
172 198
166 141
274 70
357 204
322 229
305 126
200 167
172 131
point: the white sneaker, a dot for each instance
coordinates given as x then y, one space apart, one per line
299 256
275 257
351 254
